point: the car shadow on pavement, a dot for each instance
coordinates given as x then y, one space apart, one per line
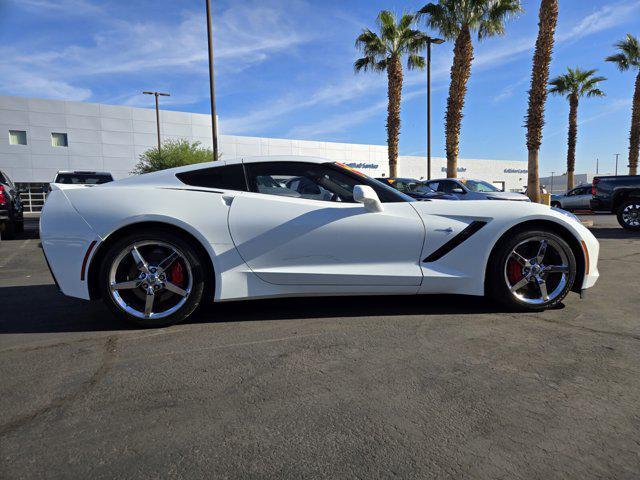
42 309
614 234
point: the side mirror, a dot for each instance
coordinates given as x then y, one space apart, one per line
366 195
457 190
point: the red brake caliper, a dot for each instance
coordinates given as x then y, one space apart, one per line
177 274
514 271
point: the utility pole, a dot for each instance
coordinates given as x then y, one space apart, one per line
617 155
597 162
158 94
212 90
551 191
437 41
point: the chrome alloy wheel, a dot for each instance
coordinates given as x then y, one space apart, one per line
537 270
150 279
631 214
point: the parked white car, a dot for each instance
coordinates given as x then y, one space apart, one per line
155 246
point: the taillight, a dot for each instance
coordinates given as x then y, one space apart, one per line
593 186
3 199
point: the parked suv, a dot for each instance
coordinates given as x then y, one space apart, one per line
578 198
619 195
468 189
11 212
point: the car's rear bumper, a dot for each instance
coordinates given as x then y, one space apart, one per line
67 240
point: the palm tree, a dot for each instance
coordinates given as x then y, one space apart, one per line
384 51
629 58
548 18
575 84
456 20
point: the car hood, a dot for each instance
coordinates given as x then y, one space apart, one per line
519 197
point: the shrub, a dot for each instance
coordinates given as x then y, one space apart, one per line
173 153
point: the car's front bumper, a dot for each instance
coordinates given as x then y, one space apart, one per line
591 250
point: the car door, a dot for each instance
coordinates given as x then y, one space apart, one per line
290 240
583 198
569 200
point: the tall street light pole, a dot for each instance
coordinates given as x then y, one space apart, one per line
157 94
551 191
212 90
617 155
437 41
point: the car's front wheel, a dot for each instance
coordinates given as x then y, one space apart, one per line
532 270
629 215
152 279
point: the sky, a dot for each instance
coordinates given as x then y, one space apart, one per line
284 69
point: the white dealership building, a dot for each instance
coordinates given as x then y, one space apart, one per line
39 137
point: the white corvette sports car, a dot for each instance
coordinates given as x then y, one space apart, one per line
155 246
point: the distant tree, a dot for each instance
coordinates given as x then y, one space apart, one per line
384 52
629 59
576 83
173 153
456 20
548 18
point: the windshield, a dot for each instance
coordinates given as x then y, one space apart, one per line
422 188
480 186
83 178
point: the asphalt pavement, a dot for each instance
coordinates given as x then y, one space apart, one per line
407 387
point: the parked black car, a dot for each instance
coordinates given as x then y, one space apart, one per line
619 195
416 189
11 211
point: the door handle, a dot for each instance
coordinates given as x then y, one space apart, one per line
445 230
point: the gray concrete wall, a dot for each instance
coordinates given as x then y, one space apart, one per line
111 138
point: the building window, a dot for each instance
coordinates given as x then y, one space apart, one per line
59 140
17 137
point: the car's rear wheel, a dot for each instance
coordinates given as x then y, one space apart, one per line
152 279
629 215
532 270
556 204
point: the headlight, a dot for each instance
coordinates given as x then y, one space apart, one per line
566 214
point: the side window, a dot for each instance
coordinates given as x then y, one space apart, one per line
301 180
230 177
447 186
433 185
325 182
585 191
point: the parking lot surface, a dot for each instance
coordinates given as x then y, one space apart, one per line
423 387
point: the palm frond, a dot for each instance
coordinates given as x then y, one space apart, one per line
628 55
596 92
388 26
495 16
416 62
370 43
621 61
441 16
369 63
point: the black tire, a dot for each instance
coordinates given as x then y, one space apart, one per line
9 232
628 221
496 281
19 226
556 204
189 252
